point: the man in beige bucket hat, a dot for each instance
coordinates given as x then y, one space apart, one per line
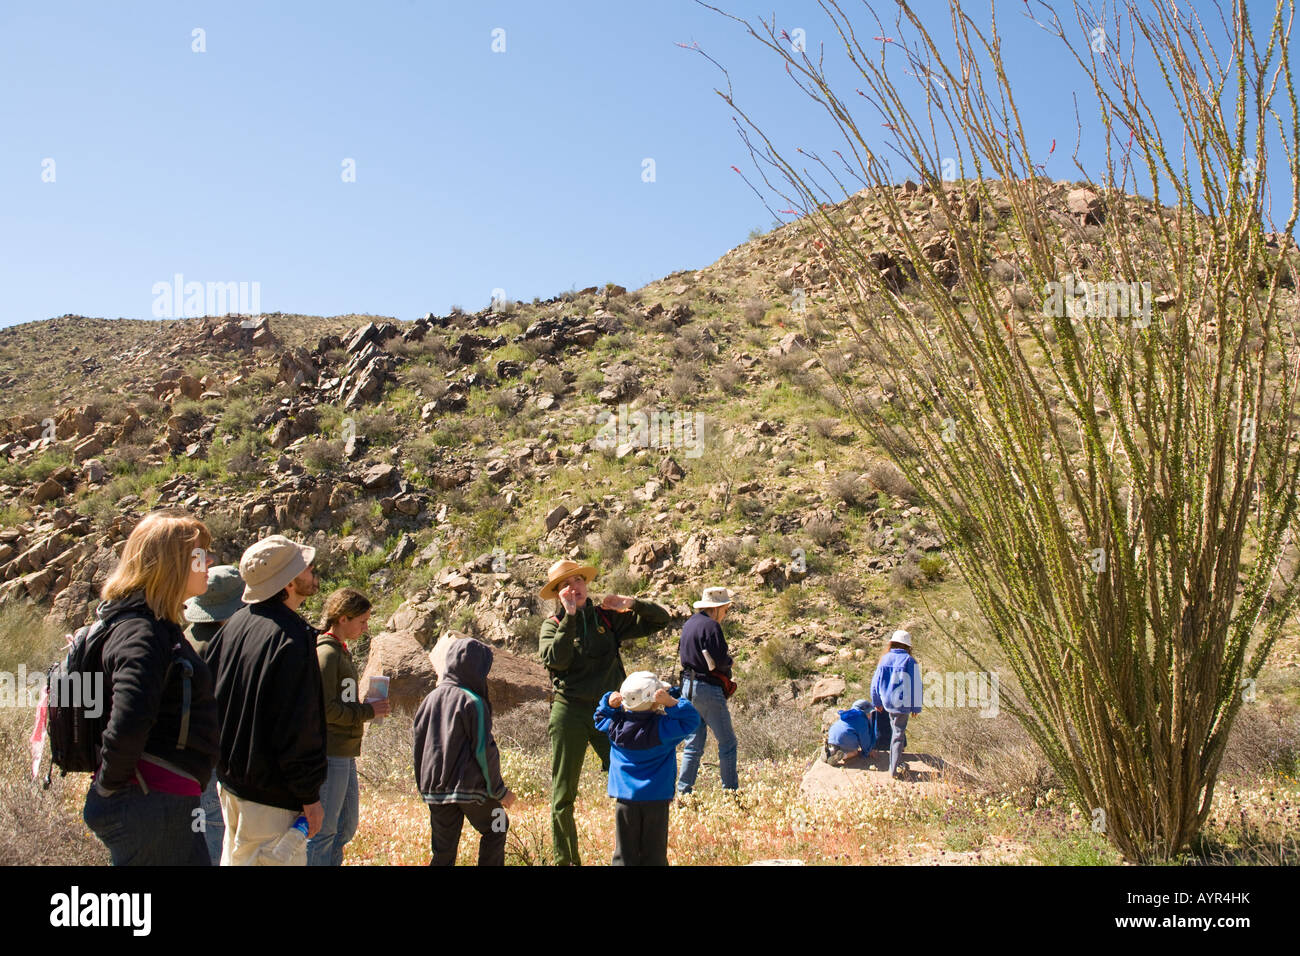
580 647
706 683
270 705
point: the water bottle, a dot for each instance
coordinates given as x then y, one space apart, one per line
294 839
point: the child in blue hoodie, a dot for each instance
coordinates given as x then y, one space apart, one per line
896 690
854 734
645 724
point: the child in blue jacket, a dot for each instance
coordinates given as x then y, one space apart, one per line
854 734
645 724
896 690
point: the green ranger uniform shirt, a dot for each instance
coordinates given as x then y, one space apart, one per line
581 650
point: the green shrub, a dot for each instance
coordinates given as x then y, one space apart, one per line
321 455
932 566
784 656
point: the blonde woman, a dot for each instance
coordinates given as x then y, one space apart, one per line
160 735
347 612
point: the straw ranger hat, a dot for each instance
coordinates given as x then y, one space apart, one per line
561 570
268 566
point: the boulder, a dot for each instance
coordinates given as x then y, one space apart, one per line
694 556
400 657
770 572
78 422
828 688
557 514
87 448
47 490
647 556
380 476
421 620
790 342
860 778
189 386
513 680
404 548
1087 205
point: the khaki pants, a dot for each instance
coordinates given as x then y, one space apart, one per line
254 827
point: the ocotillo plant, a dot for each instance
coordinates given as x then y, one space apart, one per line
1096 398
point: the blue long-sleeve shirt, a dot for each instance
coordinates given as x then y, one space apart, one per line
643 751
897 684
855 730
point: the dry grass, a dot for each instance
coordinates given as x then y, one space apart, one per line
37 827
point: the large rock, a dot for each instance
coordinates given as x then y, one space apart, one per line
648 556
78 421
421 620
770 572
514 680
557 514
380 476
861 778
189 386
1087 205
828 688
47 490
87 448
695 556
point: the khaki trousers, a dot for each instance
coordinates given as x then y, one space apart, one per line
254 827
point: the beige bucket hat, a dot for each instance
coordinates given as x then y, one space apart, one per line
271 564
561 570
714 597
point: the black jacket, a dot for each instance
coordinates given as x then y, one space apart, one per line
456 759
145 696
270 706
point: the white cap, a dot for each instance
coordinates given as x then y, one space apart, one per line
901 637
639 690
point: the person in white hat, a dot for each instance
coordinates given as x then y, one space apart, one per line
645 723
271 705
707 683
896 690
579 645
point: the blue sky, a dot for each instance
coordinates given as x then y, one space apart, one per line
474 170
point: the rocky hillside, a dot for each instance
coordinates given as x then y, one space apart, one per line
442 463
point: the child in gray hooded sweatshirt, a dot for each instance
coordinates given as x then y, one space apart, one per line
457 765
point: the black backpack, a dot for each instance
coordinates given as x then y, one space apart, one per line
75 684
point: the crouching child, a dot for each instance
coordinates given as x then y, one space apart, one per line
645 723
855 733
457 764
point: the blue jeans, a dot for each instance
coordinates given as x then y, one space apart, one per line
714 715
214 823
147 829
897 740
341 798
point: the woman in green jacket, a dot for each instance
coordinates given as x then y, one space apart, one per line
347 612
579 646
